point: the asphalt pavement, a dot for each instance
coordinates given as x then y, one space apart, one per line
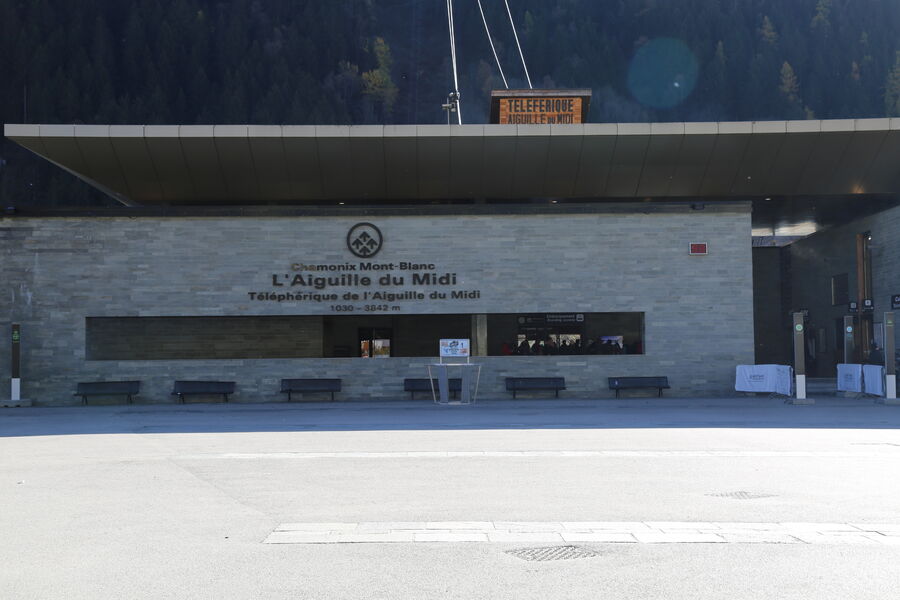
637 498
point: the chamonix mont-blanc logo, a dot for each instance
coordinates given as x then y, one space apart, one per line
364 240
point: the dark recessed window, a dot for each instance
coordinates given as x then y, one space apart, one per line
357 336
840 289
565 333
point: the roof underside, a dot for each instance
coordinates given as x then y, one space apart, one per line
253 164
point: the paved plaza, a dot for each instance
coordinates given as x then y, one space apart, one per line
631 498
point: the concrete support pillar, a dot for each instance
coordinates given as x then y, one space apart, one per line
479 335
799 334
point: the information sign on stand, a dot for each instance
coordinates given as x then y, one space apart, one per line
470 373
454 348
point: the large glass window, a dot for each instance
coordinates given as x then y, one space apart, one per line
187 338
565 333
382 336
358 336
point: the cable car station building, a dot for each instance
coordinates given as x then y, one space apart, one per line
587 251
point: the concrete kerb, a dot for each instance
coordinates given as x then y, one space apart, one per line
493 404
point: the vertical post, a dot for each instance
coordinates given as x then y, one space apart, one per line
864 332
15 397
16 391
479 335
849 341
890 368
799 330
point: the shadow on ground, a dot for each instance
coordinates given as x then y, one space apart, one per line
638 413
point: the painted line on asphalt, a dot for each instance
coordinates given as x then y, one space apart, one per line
602 532
550 454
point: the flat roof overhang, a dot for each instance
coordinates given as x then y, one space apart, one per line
266 164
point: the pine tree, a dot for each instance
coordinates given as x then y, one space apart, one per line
378 82
892 90
790 90
790 87
767 32
821 20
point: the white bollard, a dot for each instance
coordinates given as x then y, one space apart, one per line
890 389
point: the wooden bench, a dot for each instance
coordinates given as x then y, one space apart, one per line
304 386
202 388
633 383
107 388
518 384
424 385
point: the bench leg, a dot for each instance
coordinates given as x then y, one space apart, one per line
617 393
226 397
181 398
660 392
332 396
557 393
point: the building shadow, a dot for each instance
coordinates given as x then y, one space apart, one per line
522 414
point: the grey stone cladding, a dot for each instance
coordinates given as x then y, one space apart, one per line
58 271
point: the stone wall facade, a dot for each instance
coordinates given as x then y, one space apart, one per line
698 310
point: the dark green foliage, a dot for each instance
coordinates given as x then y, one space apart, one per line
320 62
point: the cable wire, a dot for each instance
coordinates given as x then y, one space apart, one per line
516 35
453 60
491 42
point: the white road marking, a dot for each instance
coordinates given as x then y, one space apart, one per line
549 454
622 532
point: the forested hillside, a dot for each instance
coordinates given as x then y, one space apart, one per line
370 61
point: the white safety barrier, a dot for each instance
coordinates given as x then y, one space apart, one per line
764 378
849 378
873 379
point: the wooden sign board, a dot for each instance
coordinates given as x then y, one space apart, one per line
539 107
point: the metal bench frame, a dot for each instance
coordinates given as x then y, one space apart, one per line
196 388
636 383
518 384
310 385
107 388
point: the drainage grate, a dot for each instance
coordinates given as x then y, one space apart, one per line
741 495
553 553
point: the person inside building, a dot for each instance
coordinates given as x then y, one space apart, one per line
523 348
550 346
876 356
